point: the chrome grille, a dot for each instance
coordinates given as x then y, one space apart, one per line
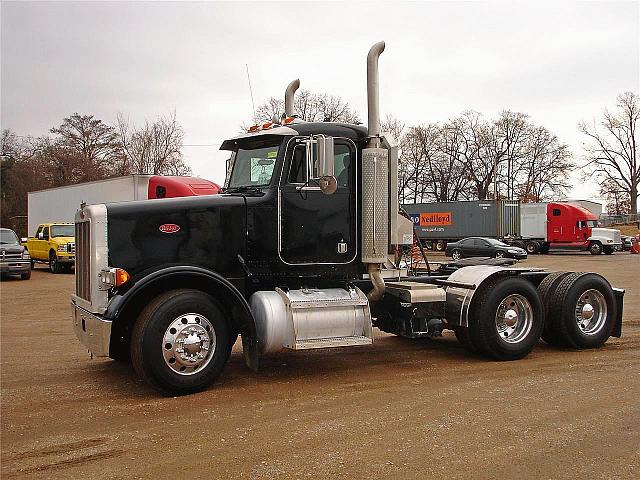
82 248
71 247
11 256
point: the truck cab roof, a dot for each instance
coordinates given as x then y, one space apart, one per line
357 133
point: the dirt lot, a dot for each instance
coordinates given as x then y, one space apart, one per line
397 409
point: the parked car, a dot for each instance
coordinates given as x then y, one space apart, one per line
14 258
626 242
483 247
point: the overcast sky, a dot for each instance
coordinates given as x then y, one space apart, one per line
560 62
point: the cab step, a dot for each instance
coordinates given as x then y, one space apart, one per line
332 342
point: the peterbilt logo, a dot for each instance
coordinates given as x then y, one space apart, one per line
169 228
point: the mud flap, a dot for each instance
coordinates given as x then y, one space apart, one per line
250 352
617 328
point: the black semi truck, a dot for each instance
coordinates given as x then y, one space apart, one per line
302 251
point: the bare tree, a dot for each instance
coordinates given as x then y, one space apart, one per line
308 106
155 148
611 151
89 140
545 167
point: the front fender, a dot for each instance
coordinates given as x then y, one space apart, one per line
122 307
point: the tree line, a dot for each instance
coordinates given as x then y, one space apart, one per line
468 157
83 149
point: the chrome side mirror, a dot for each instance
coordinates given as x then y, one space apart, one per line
326 173
41 236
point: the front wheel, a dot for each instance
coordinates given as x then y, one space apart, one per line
180 342
499 254
506 319
54 265
595 248
456 254
26 275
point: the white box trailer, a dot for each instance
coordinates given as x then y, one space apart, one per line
60 204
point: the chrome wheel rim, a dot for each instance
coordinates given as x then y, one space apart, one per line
456 255
188 344
499 254
591 312
514 318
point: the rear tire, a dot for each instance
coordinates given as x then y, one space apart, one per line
463 336
506 319
532 247
583 310
181 342
546 289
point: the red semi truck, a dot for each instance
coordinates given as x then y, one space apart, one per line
536 227
555 225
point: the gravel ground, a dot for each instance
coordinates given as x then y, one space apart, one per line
397 409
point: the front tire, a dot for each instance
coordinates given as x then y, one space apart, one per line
25 275
506 319
54 265
456 254
499 254
181 342
595 248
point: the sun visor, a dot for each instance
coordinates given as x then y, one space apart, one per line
232 143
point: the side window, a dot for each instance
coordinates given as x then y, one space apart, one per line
556 212
45 233
342 167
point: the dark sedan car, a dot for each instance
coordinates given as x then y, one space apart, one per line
483 247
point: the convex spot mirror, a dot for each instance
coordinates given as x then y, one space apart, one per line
41 236
326 175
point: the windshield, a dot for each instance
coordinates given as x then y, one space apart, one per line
8 237
62 231
253 167
592 223
495 242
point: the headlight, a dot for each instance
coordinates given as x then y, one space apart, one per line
609 241
513 251
62 247
25 255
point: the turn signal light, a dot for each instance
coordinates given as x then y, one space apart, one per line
113 277
253 128
288 120
122 277
266 125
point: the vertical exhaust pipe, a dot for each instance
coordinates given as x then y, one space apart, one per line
375 190
289 94
373 93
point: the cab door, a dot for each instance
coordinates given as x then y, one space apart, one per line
37 244
316 228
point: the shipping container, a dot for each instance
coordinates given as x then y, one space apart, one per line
449 221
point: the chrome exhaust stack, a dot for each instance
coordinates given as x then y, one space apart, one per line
289 95
375 184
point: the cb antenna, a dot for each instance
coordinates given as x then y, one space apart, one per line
253 105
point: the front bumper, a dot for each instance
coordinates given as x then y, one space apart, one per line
94 332
66 258
15 266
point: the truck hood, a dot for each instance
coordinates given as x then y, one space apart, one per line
606 233
63 240
11 249
206 231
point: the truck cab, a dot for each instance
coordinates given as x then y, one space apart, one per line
573 226
302 250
